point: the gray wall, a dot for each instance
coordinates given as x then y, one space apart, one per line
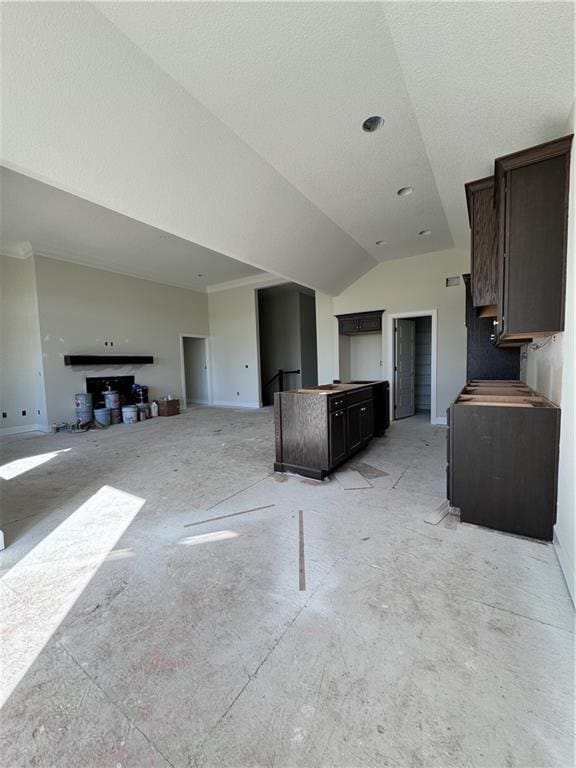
287 322
308 348
423 362
81 307
195 371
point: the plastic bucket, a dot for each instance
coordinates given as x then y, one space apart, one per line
143 411
129 414
84 415
102 416
112 399
115 415
83 401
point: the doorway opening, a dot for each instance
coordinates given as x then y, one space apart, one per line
195 378
412 348
287 331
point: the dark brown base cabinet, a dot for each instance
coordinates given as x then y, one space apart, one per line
503 457
319 428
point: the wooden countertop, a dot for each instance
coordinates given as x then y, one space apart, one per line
330 389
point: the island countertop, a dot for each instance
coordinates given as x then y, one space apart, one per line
330 389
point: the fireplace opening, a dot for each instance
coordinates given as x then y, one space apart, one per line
129 391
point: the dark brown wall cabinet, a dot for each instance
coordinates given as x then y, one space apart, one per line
360 322
503 457
319 428
531 189
484 254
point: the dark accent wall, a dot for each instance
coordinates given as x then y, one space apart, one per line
483 359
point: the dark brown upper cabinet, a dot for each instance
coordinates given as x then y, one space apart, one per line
484 253
360 322
531 191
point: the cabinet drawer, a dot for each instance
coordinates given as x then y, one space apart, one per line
360 395
336 402
360 322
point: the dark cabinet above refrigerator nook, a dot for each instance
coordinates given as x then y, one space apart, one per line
518 221
360 322
483 231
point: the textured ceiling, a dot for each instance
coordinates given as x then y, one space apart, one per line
238 125
457 83
295 81
66 227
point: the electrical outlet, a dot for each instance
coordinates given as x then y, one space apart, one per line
23 413
4 415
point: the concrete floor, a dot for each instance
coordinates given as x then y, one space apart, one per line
136 639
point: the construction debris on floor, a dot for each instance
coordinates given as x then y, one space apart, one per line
168 601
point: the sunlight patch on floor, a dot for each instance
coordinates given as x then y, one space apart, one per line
37 593
206 538
19 466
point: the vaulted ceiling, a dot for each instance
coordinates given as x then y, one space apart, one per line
251 117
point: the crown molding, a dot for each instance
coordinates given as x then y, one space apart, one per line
17 250
258 281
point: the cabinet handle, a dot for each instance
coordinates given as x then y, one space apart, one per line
362 410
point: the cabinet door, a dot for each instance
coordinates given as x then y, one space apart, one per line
338 447
370 323
484 251
354 427
348 325
535 247
366 420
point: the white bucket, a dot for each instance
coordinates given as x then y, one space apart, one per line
112 399
129 414
102 416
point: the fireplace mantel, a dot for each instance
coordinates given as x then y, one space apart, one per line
108 360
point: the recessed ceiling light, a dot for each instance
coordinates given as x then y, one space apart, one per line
372 124
425 232
403 191
380 242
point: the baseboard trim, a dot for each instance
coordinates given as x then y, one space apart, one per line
566 566
24 428
227 404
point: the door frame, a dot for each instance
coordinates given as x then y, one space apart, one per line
181 337
433 314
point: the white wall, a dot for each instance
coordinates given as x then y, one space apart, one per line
550 369
234 347
408 285
327 337
80 308
21 370
366 356
195 370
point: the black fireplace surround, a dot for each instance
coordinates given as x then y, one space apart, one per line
96 385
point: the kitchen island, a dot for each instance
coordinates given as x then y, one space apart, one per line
317 428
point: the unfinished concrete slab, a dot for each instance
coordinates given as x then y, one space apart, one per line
138 639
